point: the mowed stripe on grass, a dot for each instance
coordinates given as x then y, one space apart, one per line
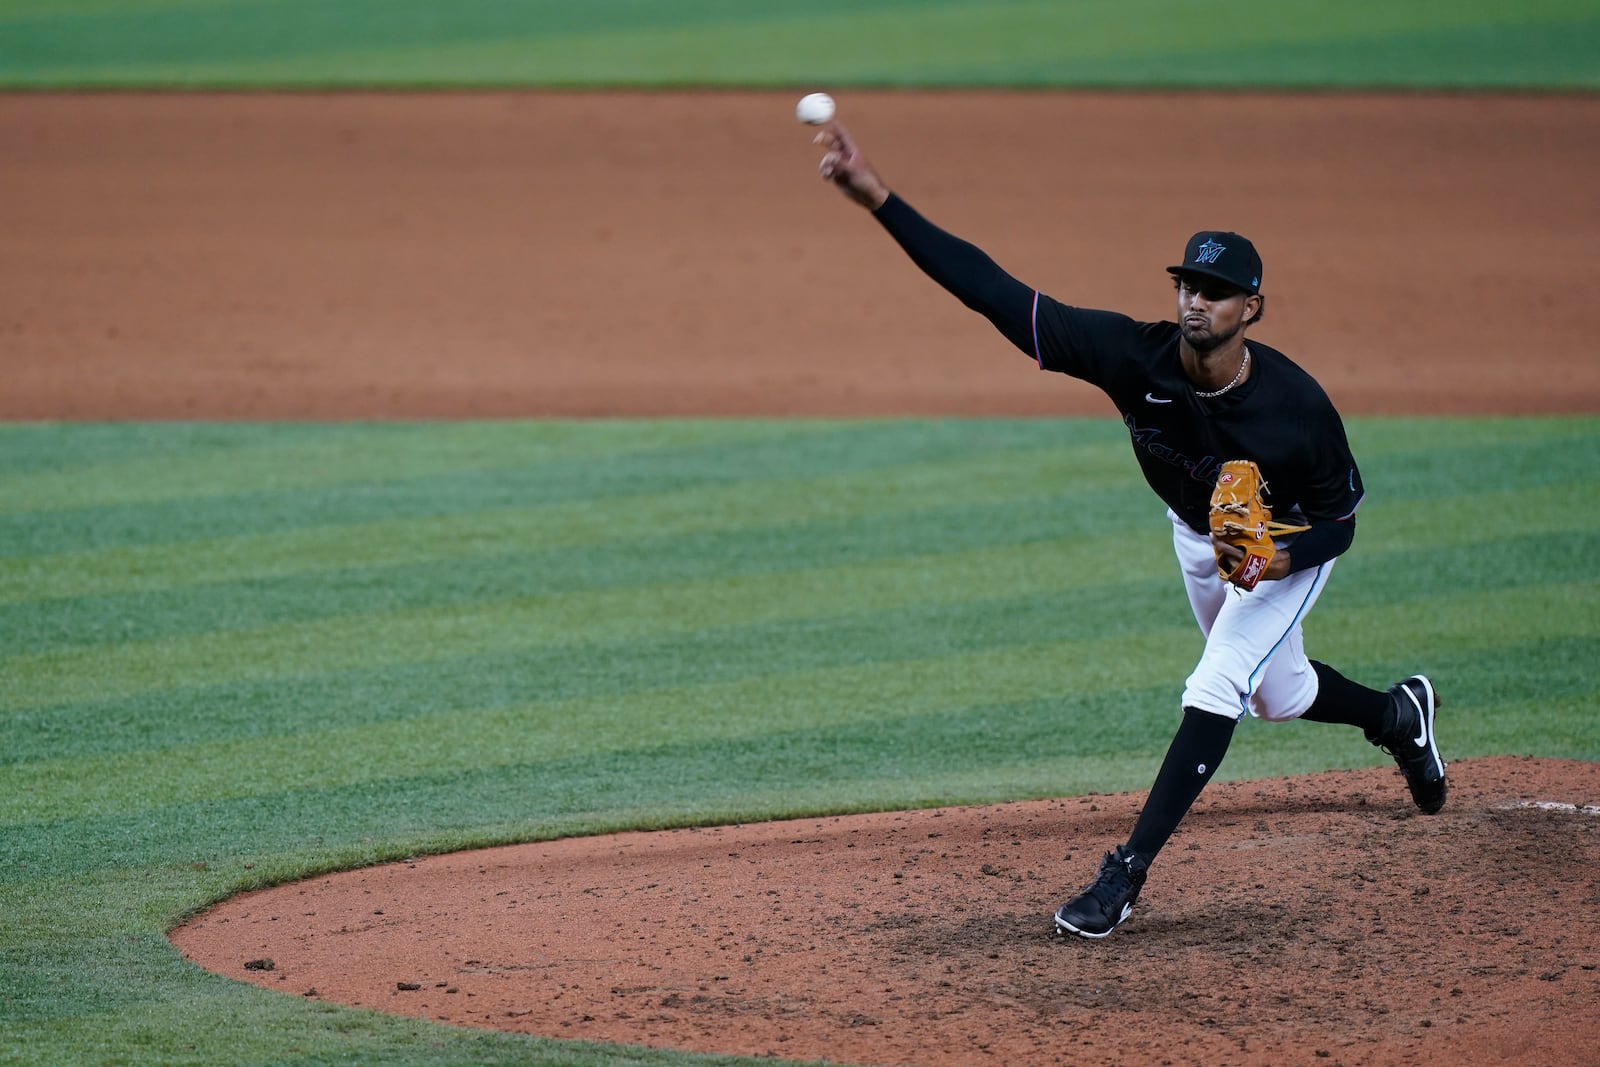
831 42
1062 607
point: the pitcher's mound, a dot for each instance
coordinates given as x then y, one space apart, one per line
1307 920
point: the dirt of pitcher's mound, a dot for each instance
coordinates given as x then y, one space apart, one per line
1315 919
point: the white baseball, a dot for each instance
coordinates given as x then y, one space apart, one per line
814 109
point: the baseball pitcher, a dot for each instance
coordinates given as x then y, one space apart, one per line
1249 457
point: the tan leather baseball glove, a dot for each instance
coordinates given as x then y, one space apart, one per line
1242 518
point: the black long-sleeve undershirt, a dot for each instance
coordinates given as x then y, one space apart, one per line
964 269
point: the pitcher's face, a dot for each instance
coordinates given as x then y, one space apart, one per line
1211 313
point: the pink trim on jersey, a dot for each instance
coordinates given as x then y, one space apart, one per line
1038 357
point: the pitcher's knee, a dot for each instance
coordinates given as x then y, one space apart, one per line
1276 712
1285 695
1215 693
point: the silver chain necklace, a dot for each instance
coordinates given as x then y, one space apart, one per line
1237 378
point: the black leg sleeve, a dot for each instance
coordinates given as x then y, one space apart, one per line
1197 748
1339 700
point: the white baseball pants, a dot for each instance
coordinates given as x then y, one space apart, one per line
1254 659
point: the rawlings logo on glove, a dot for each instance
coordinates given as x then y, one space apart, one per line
1241 518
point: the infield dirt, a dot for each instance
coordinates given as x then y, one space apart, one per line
374 256
411 256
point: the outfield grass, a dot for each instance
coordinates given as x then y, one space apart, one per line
1456 44
236 654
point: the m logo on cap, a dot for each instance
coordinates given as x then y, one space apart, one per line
1223 255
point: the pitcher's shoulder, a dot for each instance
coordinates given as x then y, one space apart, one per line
1295 384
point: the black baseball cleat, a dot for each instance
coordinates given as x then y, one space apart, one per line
1412 743
1109 899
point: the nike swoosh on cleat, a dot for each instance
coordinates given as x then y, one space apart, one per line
1152 398
1421 740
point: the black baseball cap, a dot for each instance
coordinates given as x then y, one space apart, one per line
1223 255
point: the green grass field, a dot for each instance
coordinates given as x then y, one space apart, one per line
237 654
232 655
1456 44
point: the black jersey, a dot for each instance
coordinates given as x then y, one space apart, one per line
1279 417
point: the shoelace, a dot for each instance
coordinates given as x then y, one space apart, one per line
1112 882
